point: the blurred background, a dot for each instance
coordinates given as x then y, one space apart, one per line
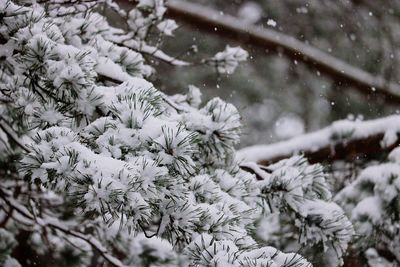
278 97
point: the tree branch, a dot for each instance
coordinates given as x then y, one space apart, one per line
343 140
215 22
152 51
11 134
258 170
57 226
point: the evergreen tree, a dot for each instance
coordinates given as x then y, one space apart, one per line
99 168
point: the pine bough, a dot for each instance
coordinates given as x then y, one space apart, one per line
99 167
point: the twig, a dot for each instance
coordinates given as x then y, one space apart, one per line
152 51
43 223
259 171
10 133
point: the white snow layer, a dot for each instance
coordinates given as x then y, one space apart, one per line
338 131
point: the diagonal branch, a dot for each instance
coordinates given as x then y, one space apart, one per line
341 72
258 170
152 51
12 135
12 204
343 140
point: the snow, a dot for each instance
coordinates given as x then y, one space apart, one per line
375 260
389 139
302 10
154 164
250 12
370 207
154 246
11 262
228 60
394 155
271 22
108 68
254 167
268 227
288 126
369 200
167 26
155 52
345 130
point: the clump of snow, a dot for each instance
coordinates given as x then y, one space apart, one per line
375 260
250 12
167 26
389 139
271 23
228 60
288 126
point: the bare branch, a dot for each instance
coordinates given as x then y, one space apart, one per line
11 134
58 226
341 72
157 53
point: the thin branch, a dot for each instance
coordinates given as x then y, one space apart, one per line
127 40
8 216
53 224
258 170
11 134
343 140
341 72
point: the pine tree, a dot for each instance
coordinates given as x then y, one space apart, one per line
99 168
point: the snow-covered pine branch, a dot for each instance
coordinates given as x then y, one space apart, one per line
101 163
372 202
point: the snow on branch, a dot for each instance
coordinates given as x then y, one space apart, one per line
341 72
151 51
342 140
